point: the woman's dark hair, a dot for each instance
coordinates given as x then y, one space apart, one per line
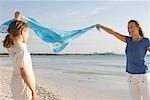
14 30
141 33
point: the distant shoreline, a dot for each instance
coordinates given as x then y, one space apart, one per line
44 54
51 54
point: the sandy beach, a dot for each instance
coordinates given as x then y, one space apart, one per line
72 79
5 93
82 86
57 90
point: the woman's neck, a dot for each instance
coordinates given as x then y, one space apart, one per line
136 38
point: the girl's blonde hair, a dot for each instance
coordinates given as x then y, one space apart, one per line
141 33
14 30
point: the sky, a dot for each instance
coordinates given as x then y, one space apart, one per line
72 15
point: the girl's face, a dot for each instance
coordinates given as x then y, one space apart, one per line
133 28
17 16
25 34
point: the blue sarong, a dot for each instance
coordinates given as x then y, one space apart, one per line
59 39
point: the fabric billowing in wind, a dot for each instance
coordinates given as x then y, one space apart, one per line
59 39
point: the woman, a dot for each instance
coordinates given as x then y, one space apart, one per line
137 46
23 80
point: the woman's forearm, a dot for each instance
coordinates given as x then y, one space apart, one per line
28 78
110 31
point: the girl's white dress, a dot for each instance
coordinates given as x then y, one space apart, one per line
20 58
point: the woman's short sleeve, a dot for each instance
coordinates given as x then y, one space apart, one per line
147 42
128 39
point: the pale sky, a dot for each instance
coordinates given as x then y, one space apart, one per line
71 15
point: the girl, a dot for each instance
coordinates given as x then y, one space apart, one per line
17 15
23 80
137 46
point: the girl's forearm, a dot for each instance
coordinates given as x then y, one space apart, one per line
29 80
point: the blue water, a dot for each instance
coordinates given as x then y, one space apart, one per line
87 64
95 73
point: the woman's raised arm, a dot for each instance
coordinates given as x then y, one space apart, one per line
116 34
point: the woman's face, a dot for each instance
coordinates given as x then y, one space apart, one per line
133 28
25 34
